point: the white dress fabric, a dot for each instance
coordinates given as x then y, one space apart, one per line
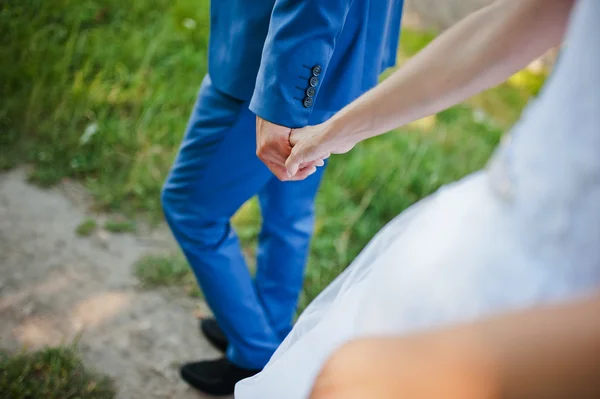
524 231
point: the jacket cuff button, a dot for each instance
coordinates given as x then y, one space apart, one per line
316 70
308 102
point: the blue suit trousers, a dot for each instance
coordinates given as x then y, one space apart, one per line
216 171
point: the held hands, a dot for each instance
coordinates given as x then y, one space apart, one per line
273 147
295 154
313 144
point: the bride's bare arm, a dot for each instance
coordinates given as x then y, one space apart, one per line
481 51
478 53
550 352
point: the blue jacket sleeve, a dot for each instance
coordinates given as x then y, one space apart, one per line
299 45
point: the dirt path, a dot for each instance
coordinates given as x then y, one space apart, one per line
55 286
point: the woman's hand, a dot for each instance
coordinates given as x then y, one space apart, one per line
312 144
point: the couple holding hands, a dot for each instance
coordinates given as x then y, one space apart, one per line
489 288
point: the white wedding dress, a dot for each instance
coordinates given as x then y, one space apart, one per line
524 231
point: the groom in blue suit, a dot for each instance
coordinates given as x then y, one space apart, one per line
273 65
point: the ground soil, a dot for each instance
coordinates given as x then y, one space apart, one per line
57 287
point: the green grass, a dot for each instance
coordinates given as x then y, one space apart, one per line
119 225
86 228
51 373
167 270
101 90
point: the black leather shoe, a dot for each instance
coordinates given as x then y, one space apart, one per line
215 377
213 333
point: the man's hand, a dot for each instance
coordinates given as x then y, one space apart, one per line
273 148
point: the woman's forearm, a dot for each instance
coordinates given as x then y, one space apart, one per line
552 352
546 352
478 53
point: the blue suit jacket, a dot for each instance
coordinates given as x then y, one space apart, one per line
300 61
